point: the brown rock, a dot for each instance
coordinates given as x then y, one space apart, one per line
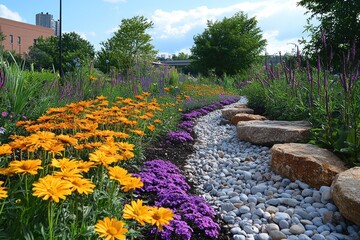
228 113
241 106
246 117
306 162
271 132
345 192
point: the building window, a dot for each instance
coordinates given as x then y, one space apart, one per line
35 41
19 40
11 39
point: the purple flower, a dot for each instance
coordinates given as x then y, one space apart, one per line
187 126
179 137
164 180
4 114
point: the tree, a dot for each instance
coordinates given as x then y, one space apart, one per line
229 46
180 56
129 44
45 53
339 25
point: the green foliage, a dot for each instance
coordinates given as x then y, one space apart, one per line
18 93
174 77
339 26
180 56
45 53
129 44
229 46
330 102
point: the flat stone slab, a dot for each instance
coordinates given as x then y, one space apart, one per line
270 132
345 192
246 117
228 113
306 162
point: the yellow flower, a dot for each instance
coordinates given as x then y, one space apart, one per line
111 229
151 127
3 192
92 78
137 211
68 173
101 157
40 139
166 89
64 163
67 140
138 132
161 216
125 146
6 171
5 149
25 166
84 166
50 187
82 185
118 173
157 121
131 183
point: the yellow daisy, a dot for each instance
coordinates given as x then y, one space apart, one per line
111 229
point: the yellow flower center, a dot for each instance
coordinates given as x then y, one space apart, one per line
112 231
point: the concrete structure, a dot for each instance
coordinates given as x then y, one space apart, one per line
20 36
44 20
47 20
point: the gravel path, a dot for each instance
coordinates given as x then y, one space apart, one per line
236 179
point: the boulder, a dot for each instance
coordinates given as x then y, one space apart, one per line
228 113
270 132
240 106
246 117
345 192
306 162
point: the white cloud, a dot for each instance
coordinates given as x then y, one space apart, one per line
7 13
274 45
282 17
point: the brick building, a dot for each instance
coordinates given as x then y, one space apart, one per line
20 36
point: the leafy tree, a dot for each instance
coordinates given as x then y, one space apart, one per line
129 44
339 25
45 53
180 56
229 46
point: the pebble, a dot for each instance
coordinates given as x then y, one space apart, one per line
235 178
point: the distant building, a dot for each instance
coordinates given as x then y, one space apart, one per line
44 20
20 36
47 20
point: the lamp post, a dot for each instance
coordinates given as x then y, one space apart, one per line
60 43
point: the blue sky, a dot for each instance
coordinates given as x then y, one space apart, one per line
175 22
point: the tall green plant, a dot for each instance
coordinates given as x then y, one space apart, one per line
17 92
